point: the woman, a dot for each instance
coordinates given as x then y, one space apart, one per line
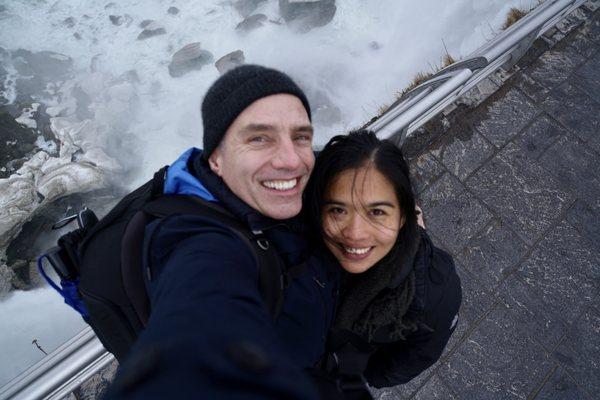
399 295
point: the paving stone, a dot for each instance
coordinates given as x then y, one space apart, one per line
520 192
476 301
542 323
578 112
536 138
506 117
463 152
586 221
580 351
563 270
453 214
434 389
583 45
407 390
576 167
591 29
498 361
587 77
424 170
561 386
550 70
493 254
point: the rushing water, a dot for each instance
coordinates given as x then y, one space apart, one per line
369 51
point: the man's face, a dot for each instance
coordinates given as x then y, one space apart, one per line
266 155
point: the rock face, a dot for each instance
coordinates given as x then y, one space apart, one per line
304 15
189 58
17 142
252 22
247 7
230 61
151 29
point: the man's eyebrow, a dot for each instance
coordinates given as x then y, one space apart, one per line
304 128
257 128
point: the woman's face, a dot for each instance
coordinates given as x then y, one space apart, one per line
361 218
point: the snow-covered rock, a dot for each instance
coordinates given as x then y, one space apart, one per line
189 58
229 61
304 15
247 7
251 23
152 28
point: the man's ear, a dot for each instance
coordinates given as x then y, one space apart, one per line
215 161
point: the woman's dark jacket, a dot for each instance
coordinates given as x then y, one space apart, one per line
434 309
207 317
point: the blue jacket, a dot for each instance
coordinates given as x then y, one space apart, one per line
209 330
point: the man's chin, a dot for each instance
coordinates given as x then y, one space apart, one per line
284 211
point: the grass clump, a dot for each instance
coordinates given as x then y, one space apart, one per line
513 16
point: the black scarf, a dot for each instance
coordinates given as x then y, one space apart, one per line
368 301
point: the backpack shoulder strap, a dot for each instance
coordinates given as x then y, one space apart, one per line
270 265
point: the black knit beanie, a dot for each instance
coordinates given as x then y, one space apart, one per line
236 90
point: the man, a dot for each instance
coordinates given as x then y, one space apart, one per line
210 334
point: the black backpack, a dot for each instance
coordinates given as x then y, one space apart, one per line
100 263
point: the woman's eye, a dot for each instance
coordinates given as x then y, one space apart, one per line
336 210
377 212
258 139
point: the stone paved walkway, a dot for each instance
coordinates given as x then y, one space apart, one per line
512 191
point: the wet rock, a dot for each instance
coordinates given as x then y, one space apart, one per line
151 29
247 7
173 10
252 22
191 57
374 45
96 386
7 276
304 15
230 61
69 22
145 23
46 64
116 19
16 141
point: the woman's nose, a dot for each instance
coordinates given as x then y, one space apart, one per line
356 228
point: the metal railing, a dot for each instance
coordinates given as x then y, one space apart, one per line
60 372
73 363
426 100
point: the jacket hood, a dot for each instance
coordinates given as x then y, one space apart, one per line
180 180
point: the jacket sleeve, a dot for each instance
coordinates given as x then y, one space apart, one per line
399 362
209 334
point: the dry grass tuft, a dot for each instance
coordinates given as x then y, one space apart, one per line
513 16
447 60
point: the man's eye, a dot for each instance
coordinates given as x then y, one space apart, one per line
258 139
303 138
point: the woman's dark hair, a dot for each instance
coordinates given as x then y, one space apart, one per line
352 151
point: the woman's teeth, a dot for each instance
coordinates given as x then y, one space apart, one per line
354 250
281 185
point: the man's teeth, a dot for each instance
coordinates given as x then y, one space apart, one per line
354 250
281 185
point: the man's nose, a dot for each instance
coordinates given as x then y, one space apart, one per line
286 156
356 228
